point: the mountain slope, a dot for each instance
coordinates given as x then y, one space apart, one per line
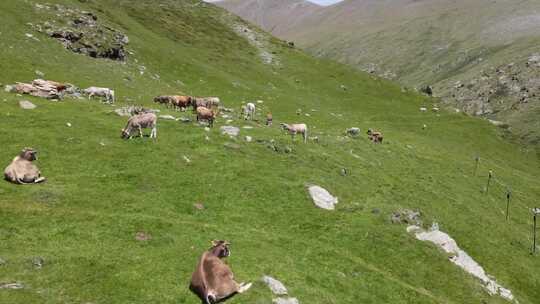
101 191
438 43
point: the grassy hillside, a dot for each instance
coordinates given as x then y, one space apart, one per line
102 190
419 42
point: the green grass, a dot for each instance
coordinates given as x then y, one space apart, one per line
83 220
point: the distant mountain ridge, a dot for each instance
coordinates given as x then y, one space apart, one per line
449 45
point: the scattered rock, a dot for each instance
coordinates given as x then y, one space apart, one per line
187 159
275 286
68 124
344 172
133 110
38 262
207 129
353 131
142 236
248 139
376 211
285 301
322 198
231 145
230 130
247 127
199 206
40 74
27 105
406 216
167 117
12 286
184 119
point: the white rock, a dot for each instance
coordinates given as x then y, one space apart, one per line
260 101
27 105
12 286
322 198
249 139
68 124
247 127
230 130
461 258
187 159
423 109
167 117
275 286
285 301
207 129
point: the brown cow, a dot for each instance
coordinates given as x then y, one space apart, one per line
375 136
200 102
181 102
209 115
213 281
22 170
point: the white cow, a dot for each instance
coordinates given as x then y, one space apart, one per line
106 93
248 111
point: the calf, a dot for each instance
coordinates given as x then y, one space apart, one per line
139 122
22 170
106 93
295 129
375 136
269 119
213 281
209 115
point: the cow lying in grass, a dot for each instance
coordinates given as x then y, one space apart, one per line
139 122
207 114
213 281
375 136
22 170
295 129
106 93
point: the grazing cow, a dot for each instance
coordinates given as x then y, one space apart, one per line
375 136
213 101
295 129
139 122
22 170
269 119
199 102
166 100
207 114
248 111
181 102
213 281
106 93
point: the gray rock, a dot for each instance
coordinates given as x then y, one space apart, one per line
249 138
230 130
275 286
9 88
167 117
353 131
184 119
38 262
406 216
11 286
285 301
322 198
27 105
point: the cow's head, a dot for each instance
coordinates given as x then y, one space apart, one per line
369 132
29 154
220 248
125 134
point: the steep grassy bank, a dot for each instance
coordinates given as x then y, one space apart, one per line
101 190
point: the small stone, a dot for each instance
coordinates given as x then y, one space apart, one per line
249 139
40 74
199 206
230 130
184 119
275 286
27 105
247 127
376 211
68 124
167 117
12 286
142 236
207 129
231 145
344 172
38 262
285 301
187 159
353 131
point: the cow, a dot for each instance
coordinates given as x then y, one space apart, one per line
166 100
213 281
269 119
181 102
248 111
199 102
106 93
139 122
375 136
22 170
207 114
294 129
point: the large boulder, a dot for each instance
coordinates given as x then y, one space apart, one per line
322 198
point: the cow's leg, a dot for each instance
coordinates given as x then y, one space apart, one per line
140 131
154 132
